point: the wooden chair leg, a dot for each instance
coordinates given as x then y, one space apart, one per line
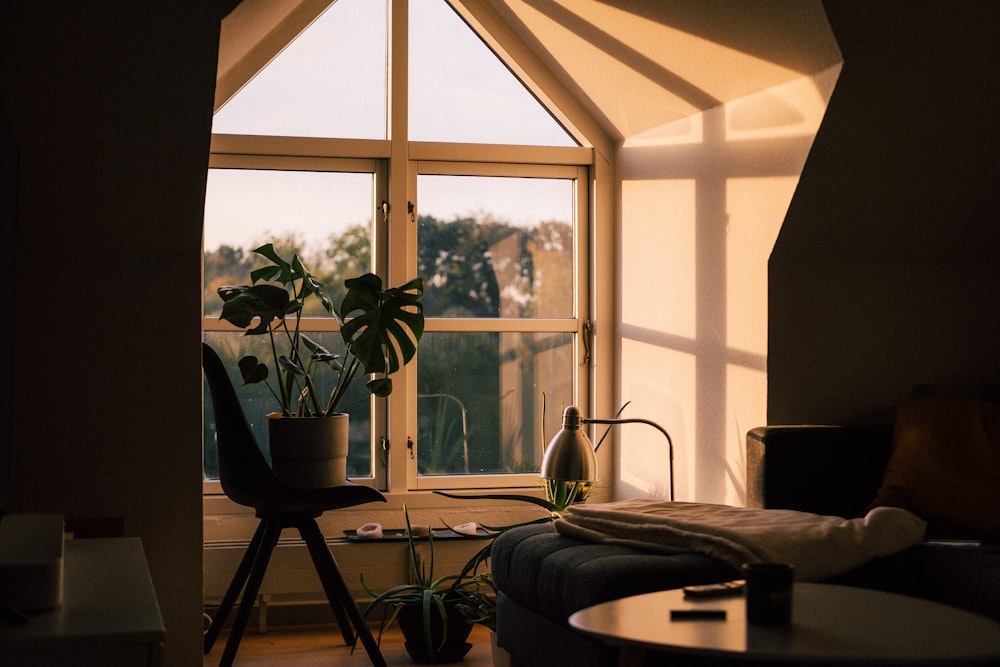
337 590
272 531
235 586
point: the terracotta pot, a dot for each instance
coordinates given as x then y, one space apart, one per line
411 624
309 452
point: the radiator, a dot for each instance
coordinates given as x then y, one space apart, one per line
291 577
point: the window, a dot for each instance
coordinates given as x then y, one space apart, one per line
320 209
490 213
497 251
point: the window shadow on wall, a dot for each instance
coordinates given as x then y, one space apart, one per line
702 201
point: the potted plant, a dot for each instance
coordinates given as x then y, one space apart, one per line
428 610
380 328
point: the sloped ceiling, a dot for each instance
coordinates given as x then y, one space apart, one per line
253 33
635 65
629 66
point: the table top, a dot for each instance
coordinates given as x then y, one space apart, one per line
108 596
829 623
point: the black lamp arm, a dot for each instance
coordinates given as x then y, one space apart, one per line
636 420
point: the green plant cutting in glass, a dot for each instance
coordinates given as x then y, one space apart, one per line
380 329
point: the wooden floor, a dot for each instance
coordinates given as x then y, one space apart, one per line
313 645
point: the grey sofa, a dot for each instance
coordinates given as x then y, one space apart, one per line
543 577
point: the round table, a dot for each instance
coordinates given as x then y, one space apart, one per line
830 624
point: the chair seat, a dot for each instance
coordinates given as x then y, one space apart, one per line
290 500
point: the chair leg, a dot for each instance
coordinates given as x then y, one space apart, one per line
318 551
235 586
337 591
272 531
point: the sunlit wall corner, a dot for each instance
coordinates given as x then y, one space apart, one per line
792 109
702 202
663 394
657 266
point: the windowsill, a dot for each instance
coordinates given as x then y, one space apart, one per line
226 520
219 503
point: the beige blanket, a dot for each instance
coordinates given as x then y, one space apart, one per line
818 546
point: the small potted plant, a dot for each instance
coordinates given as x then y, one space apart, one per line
429 611
380 327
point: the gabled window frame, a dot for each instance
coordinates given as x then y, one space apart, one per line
399 161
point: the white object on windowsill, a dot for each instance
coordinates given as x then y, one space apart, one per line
370 531
470 528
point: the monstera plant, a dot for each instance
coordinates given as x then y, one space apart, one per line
380 328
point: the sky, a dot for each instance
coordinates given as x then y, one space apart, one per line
331 82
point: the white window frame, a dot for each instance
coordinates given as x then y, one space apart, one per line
293 154
397 161
535 162
396 245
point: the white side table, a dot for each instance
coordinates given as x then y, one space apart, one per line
109 614
830 625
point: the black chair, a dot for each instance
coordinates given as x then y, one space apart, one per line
248 480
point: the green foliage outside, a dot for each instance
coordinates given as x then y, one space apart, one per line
470 269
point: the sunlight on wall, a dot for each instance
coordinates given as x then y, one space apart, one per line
669 60
756 207
791 109
662 253
643 465
702 202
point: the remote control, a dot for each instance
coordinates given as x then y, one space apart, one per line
697 614
715 590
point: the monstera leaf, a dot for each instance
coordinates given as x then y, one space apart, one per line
243 304
382 326
380 329
287 273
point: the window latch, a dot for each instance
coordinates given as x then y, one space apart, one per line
588 333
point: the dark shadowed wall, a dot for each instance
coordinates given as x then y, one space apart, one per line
886 272
110 106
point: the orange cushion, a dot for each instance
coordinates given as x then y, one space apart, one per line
945 466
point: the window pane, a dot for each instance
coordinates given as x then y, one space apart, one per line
496 246
324 216
329 82
498 380
461 92
258 402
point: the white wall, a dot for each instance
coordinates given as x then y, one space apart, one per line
701 203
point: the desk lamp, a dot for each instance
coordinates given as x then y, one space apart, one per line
570 455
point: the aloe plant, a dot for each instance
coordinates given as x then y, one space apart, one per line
432 595
380 329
